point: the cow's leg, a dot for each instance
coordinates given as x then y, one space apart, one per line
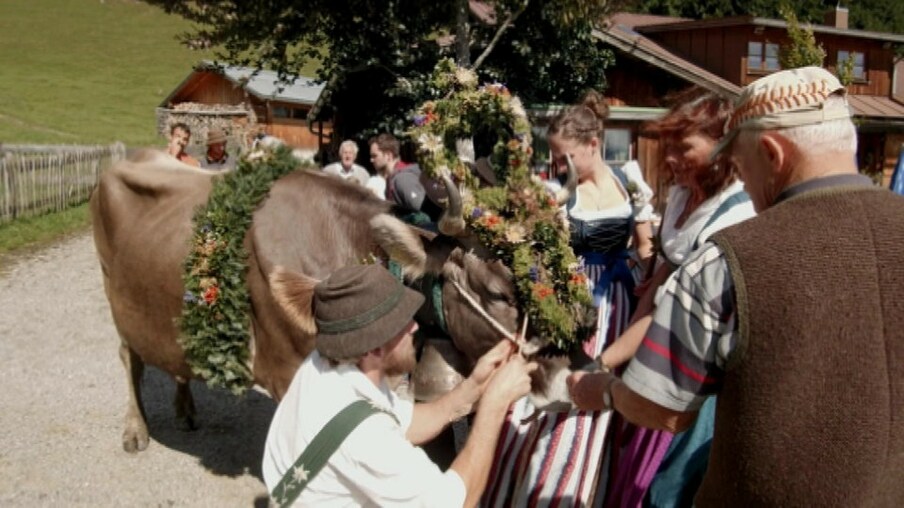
135 435
184 404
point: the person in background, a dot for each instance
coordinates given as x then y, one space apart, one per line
403 180
217 157
559 456
179 137
377 183
364 339
345 167
705 197
795 317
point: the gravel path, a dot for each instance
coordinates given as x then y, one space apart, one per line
63 399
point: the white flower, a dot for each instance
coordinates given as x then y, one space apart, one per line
517 107
516 233
430 142
465 77
300 474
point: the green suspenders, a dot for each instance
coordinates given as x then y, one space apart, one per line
321 448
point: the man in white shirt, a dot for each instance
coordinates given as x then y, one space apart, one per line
365 324
346 167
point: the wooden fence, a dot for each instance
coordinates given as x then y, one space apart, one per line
38 179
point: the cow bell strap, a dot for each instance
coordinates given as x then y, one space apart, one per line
431 287
321 448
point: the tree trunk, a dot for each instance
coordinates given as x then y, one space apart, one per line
462 34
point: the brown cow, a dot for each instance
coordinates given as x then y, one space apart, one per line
310 224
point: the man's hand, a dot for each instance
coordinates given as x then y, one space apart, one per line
509 383
587 389
489 362
174 147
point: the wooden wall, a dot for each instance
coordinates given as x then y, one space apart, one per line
213 88
296 133
723 51
209 88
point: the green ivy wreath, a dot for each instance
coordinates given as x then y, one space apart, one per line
519 221
216 306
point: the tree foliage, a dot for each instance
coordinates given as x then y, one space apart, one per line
875 15
377 54
802 50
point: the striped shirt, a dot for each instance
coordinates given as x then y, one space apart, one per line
694 331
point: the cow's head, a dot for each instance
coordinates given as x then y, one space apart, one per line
479 304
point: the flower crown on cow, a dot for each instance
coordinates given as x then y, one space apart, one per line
519 220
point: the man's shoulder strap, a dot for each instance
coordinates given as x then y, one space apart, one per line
321 448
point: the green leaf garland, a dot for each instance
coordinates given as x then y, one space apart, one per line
216 305
519 221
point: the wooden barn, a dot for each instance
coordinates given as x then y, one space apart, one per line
245 103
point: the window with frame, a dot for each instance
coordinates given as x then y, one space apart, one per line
617 147
288 112
762 57
859 67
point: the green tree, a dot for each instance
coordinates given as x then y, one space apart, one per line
376 54
874 15
803 50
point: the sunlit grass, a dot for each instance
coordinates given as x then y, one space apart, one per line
39 231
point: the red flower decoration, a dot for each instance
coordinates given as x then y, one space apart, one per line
542 291
210 296
491 220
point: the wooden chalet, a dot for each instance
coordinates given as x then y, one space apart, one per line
245 103
656 56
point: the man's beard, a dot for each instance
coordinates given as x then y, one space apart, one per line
397 365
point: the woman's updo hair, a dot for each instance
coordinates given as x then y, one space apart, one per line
696 110
582 121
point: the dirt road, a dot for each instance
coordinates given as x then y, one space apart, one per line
63 397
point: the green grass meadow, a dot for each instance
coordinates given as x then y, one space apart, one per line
87 71
84 72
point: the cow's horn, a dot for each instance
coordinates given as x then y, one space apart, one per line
451 223
571 183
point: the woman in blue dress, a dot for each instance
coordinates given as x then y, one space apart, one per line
557 457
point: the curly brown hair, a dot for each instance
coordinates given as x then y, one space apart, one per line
582 121
696 111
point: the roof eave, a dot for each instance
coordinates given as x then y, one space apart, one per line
632 48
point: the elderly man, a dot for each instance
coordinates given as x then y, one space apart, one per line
217 157
794 318
346 167
364 339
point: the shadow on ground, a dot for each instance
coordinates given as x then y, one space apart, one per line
231 430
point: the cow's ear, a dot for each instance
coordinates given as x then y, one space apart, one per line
402 244
294 292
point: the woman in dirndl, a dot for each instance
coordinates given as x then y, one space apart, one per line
557 458
651 467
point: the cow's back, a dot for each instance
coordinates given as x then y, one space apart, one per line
141 213
311 224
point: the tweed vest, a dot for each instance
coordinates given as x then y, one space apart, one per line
812 408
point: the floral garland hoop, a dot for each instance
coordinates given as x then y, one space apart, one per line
519 221
216 306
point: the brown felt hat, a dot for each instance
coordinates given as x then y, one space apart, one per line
360 308
215 135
